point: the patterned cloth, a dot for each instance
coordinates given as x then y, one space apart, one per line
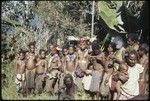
20 79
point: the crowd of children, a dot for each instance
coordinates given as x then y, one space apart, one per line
117 73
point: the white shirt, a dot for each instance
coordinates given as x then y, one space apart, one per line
132 86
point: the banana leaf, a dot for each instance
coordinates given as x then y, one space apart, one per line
109 15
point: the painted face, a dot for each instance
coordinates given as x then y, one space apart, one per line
43 54
131 60
21 56
32 48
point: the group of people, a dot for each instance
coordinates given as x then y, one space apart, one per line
115 73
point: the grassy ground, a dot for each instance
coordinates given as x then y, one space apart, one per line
9 90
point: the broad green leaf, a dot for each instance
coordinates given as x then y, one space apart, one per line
107 14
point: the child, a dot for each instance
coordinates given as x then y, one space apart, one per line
143 50
30 69
98 60
40 71
53 71
130 89
88 77
104 86
118 78
111 49
69 89
71 61
20 72
132 42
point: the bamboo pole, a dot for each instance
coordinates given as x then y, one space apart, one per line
93 11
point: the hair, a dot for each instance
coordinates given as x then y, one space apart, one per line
68 76
40 51
144 47
71 45
31 43
133 37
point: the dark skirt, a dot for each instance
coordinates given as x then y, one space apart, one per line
30 78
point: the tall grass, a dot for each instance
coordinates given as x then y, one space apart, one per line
9 91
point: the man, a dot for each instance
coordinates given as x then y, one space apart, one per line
130 89
69 89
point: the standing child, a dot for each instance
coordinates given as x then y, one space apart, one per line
40 71
143 50
117 79
30 69
71 61
20 72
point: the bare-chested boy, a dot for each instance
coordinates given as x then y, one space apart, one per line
20 72
30 69
63 57
54 66
143 57
40 71
82 62
71 61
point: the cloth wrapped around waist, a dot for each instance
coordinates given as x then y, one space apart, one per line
19 81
